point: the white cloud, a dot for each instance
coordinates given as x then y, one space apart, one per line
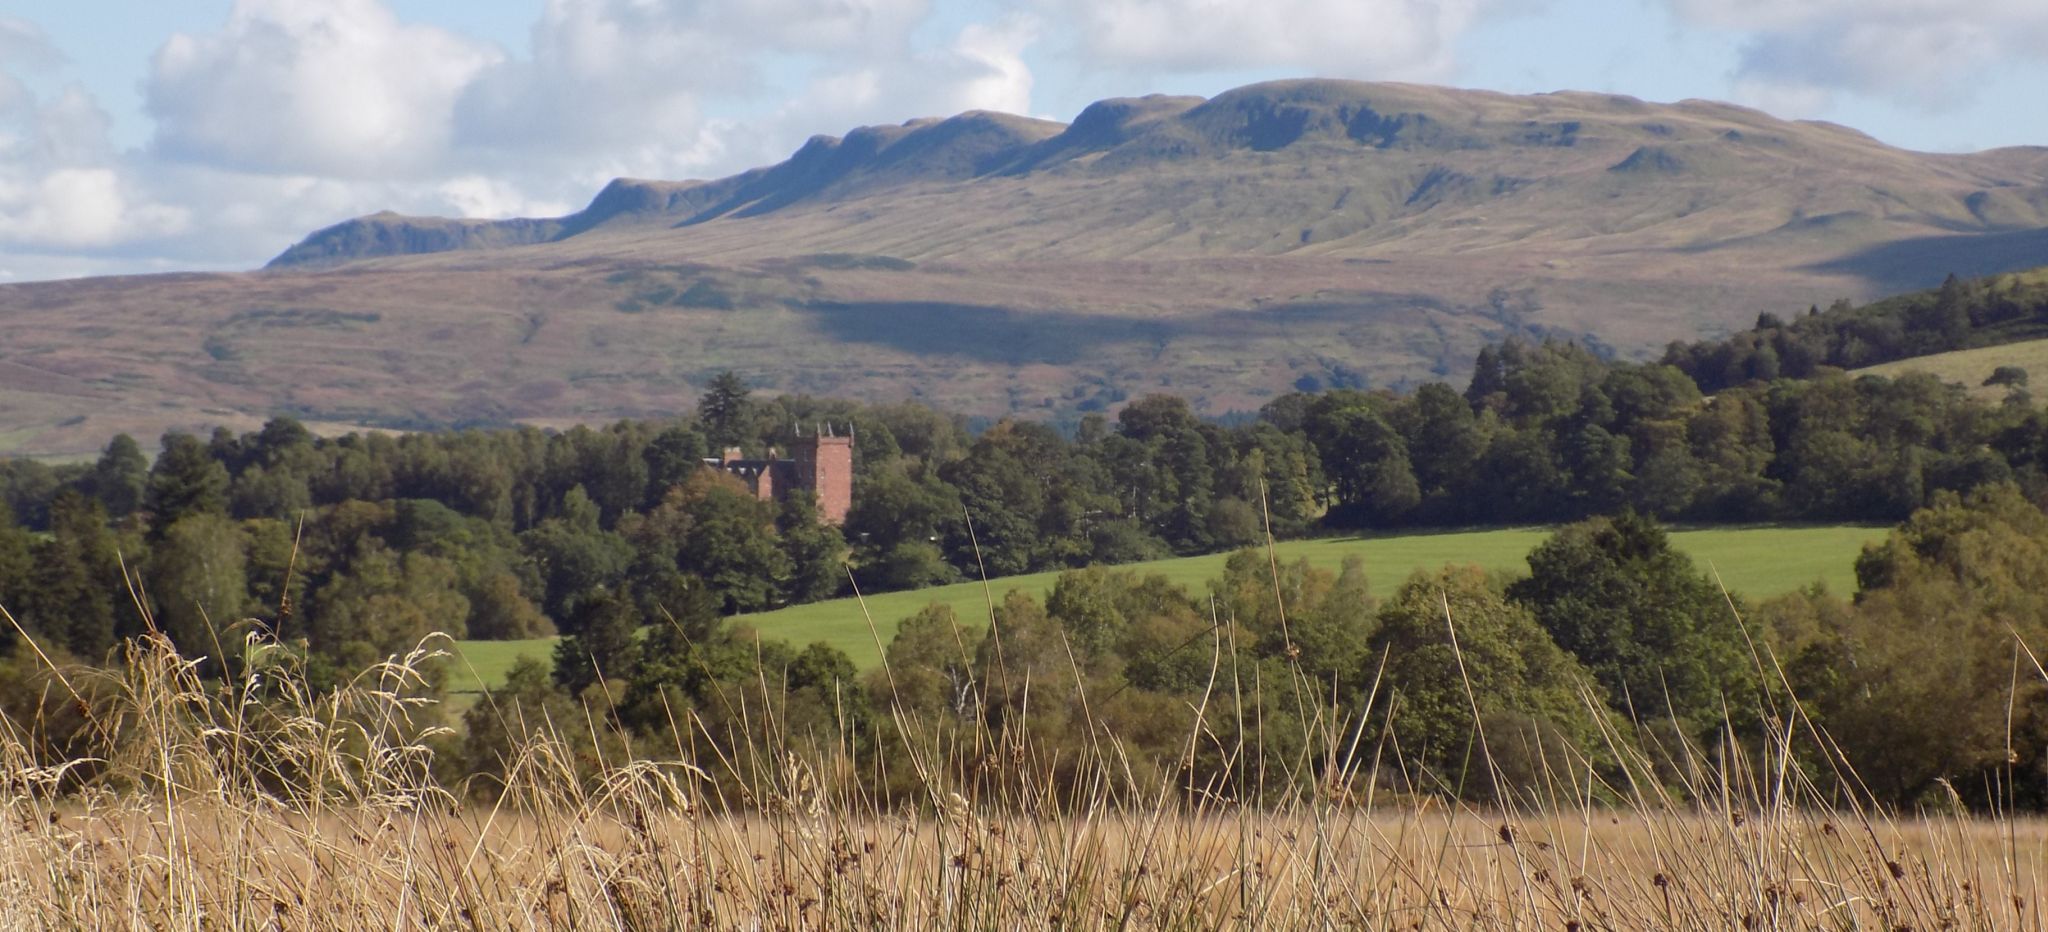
874 27
332 87
295 114
982 68
58 184
1925 54
495 198
602 77
23 45
989 61
621 87
1332 38
84 207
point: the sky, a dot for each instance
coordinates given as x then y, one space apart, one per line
145 136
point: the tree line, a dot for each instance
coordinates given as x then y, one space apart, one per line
357 544
1958 315
349 549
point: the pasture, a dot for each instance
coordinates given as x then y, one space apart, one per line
1757 562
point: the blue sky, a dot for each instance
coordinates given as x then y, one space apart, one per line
153 136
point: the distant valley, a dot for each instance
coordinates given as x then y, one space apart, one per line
1296 234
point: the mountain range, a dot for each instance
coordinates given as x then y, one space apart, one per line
1298 234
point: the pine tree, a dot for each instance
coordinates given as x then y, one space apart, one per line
187 480
723 410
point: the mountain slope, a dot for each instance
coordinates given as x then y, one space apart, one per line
1300 233
1327 167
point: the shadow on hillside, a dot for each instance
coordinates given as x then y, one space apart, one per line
1922 262
982 332
997 334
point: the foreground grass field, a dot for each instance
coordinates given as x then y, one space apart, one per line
1758 562
242 806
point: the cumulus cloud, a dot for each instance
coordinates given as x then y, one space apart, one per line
989 68
866 26
1336 38
85 207
23 45
1922 53
496 198
622 87
328 87
294 114
981 68
58 186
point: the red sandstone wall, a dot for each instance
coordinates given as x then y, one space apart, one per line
825 466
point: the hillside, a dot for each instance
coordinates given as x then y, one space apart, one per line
1951 330
1291 234
1758 562
1970 367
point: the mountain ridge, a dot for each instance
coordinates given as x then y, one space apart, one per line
1283 235
1338 119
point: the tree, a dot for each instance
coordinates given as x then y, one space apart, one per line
186 480
526 710
1502 660
673 456
724 410
2009 376
931 663
1367 461
1518 478
1156 416
199 580
1918 682
1442 436
573 556
1659 636
1258 596
384 603
1944 321
815 551
499 610
602 644
76 578
1333 636
1282 469
1084 603
120 477
1026 672
901 505
17 564
999 485
730 543
910 564
1730 439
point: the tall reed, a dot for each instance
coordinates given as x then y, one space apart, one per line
250 801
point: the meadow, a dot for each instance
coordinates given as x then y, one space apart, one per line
1970 367
1757 562
250 804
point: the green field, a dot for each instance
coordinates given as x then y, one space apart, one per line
1969 368
1755 561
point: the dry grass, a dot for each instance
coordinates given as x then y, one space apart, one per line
251 802
1403 867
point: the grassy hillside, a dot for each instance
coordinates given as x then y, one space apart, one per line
1756 561
1306 233
1970 367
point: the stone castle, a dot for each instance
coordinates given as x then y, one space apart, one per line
821 464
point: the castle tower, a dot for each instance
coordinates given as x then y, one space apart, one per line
824 465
